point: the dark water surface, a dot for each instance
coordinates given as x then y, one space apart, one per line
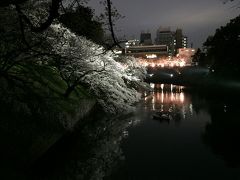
200 141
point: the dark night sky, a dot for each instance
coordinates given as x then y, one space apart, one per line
197 18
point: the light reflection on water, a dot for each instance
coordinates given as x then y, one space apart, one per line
177 150
200 142
169 97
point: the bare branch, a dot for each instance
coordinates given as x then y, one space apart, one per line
109 8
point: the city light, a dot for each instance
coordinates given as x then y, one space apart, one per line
151 56
153 64
164 62
182 63
183 58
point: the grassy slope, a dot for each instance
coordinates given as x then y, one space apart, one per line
32 109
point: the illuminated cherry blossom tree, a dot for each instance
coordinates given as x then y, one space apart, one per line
84 62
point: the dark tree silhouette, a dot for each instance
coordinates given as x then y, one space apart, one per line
55 5
224 47
80 20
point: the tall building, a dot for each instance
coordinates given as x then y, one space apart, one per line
145 39
165 36
184 42
178 38
181 40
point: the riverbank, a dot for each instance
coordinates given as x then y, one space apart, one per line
35 115
25 139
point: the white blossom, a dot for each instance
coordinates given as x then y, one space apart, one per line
90 64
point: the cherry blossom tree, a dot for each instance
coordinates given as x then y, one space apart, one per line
84 62
112 80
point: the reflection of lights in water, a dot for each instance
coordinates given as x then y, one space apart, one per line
175 97
182 97
153 103
172 96
184 112
191 109
225 108
162 86
162 96
152 85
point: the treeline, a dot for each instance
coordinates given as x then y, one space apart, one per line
221 51
51 56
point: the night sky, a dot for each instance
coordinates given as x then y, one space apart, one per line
197 18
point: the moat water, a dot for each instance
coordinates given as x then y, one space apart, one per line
199 140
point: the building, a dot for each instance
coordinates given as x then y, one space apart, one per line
147 52
178 39
165 36
174 40
145 39
184 42
181 41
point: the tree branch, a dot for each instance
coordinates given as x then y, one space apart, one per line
53 14
109 9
